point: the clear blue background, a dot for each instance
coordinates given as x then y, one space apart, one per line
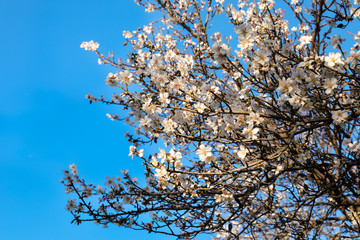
46 123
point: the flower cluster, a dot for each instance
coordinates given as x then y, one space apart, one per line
90 46
258 134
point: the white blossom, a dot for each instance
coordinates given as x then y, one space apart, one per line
242 152
250 132
205 153
333 59
90 46
330 84
339 116
71 205
74 169
257 143
126 77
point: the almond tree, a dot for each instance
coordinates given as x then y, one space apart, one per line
258 130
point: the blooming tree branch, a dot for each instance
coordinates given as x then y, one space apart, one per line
260 128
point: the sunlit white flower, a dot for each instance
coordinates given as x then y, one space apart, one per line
126 77
333 59
246 37
298 101
298 9
250 132
353 58
177 83
254 118
243 31
175 157
245 43
112 79
221 51
330 84
90 46
112 116
339 116
286 86
74 169
164 98
357 36
200 107
305 39
156 61
205 153
262 57
242 152
132 151
145 122
127 34
169 125
148 29
161 172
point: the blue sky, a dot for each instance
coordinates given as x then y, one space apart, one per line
46 122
